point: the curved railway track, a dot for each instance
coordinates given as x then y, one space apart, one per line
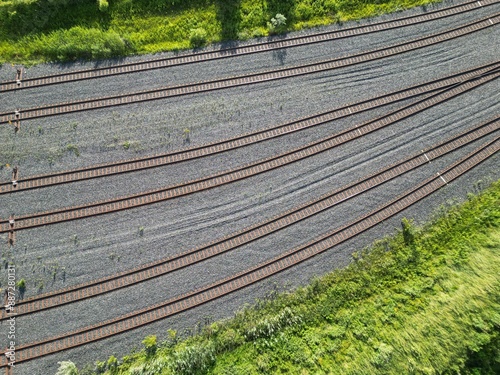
255 274
243 50
240 173
253 233
174 91
126 166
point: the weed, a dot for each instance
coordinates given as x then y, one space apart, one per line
73 148
21 287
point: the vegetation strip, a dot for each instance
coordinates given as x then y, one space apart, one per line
424 300
228 285
313 148
126 166
247 235
243 50
174 91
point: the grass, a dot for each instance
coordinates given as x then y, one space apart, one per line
33 31
423 301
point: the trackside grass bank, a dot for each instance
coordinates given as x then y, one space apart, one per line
33 31
423 301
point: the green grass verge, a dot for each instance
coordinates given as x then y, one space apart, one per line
33 31
423 301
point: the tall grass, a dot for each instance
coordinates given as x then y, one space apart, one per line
60 30
424 301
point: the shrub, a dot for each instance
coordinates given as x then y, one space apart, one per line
103 5
267 327
304 12
112 364
198 37
278 21
67 368
150 345
80 43
193 359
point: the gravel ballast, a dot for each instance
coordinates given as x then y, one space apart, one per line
87 249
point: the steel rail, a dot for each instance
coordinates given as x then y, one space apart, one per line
132 165
189 58
244 80
198 297
252 169
237 239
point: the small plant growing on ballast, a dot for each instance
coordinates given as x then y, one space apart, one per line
187 139
21 287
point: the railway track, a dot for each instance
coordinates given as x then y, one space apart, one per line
235 240
190 58
137 200
128 202
17 115
255 274
126 166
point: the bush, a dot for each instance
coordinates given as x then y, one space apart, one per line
278 21
81 43
304 12
198 37
193 359
112 364
150 345
103 5
67 368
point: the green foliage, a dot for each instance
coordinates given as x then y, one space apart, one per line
150 345
267 327
278 21
41 30
73 148
21 286
422 301
193 358
112 364
485 361
67 368
103 5
198 37
80 43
